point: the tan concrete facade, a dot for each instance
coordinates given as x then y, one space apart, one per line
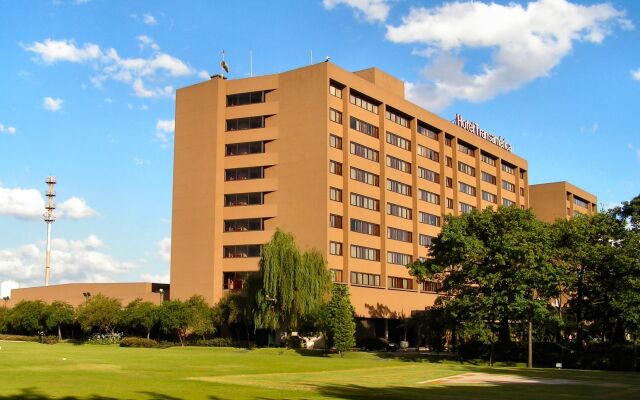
74 293
561 200
342 161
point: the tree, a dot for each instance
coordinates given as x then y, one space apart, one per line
4 312
341 325
173 319
57 314
199 316
141 315
496 269
99 312
27 317
233 310
289 286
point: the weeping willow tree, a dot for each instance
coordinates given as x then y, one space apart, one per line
289 285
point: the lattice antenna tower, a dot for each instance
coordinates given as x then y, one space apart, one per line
49 218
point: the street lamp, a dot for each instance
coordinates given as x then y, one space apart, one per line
161 292
6 300
87 295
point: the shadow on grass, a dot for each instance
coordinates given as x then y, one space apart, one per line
33 394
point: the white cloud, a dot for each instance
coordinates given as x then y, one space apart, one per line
204 75
149 19
6 287
165 130
370 10
82 260
75 208
155 278
139 161
526 43
164 249
592 129
51 104
636 74
29 204
9 129
139 72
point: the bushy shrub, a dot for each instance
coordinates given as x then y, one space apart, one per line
113 338
139 342
215 342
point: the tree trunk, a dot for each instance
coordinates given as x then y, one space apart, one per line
635 352
504 333
579 296
59 333
386 329
148 334
491 354
530 358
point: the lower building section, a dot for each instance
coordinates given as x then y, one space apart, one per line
77 293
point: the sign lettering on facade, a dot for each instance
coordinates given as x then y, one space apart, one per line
476 130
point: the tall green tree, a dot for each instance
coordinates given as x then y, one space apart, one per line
58 314
289 285
174 319
141 315
99 312
340 319
27 317
199 316
496 268
233 310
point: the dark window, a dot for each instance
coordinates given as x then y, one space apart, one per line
431 286
335 116
241 225
364 127
240 99
335 221
335 141
365 227
243 199
365 253
237 149
242 251
241 124
335 167
240 174
400 283
336 275
234 280
360 278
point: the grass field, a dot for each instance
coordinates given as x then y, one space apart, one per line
34 371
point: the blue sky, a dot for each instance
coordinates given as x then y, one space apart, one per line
88 96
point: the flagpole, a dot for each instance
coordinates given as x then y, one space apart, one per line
222 65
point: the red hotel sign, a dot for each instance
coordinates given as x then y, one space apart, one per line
475 129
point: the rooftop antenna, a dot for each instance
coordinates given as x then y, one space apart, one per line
49 218
251 63
223 66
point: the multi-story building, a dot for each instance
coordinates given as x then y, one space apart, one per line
342 161
561 200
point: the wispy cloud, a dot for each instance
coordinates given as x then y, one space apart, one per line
635 74
164 131
8 129
51 104
149 19
370 10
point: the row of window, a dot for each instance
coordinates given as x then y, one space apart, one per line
237 149
400 165
428 153
394 116
398 141
363 102
363 127
241 124
241 225
239 99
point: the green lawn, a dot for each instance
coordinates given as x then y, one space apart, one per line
66 371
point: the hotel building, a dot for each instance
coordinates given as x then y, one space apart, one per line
558 200
339 159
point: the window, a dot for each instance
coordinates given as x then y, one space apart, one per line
241 124
490 197
429 219
431 287
466 168
428 153
398 258
487 177
365 253
362 102
579 202
448 161
508 186
240 174
365 227
243 225
399 234
425 240
398 187
468 189
361 201
237 149
335 116
395 117
335 167
398 211
398 141
449 182
508 169
507 202
360 278
423 130
429 175
429 197
521 191
335 221
400 283
242 251
448 140
364 151
335 141
364 127
398 164
335 89
335 248
243 199
466 208
463 148
365 177
487 159
449 203
335 194
240 99
336 275
233 280
521 174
